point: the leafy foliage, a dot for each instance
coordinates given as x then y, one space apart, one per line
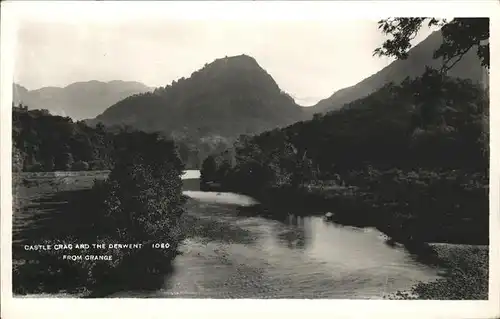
43 142
417 167
47 142
140 202
460 35
443 50
143 200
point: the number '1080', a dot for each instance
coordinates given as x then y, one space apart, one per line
160 245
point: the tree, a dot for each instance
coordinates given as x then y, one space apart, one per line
459 37
146 174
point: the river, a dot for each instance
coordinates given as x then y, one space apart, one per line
230 255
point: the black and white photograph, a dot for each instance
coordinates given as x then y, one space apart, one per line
162 157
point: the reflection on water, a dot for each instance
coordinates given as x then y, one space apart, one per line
230 254
227 255
221 198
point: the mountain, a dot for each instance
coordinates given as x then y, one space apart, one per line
79 100
228 97
419 57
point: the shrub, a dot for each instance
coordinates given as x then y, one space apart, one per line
140 202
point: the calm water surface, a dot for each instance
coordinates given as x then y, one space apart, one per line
228 255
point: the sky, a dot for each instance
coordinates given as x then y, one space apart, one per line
308 59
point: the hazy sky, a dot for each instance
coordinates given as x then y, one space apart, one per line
308 59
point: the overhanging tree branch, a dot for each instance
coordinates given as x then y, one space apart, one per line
445 68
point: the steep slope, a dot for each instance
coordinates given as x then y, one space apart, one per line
227 97
79 100
419 57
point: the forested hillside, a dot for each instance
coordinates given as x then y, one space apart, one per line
44 142
397 150
227 97
419 57
411 159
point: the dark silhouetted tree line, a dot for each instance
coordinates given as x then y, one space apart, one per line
55 143
43 142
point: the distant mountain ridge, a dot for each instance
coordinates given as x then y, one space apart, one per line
419 57
230 96
79 100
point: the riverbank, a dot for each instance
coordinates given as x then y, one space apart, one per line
447 254
70 209
229 255
447 206
466 275
460 227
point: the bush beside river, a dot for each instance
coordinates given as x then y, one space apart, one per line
140 202
419 206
